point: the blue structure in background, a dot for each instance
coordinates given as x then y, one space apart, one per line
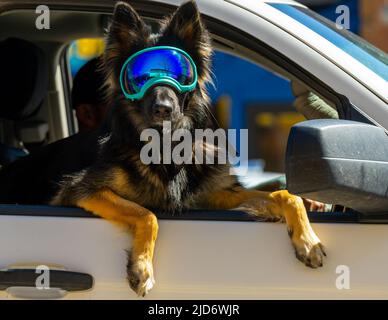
247 83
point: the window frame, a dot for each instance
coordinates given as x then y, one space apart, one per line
189 215
67 85
224 215
217 28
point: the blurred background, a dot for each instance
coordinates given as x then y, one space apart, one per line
257 99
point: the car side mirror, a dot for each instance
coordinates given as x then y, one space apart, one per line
340 162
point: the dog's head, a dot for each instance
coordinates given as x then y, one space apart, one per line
129 34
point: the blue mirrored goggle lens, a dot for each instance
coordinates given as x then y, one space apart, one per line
157 64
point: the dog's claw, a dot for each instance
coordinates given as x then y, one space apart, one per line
140 276
312 257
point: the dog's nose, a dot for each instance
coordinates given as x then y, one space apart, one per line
162 110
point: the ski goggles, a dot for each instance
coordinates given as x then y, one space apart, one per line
157 65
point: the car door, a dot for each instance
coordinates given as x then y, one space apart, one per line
68 253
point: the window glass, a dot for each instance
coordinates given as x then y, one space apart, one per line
373 58
82 50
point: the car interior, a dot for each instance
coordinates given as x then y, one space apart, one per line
36 86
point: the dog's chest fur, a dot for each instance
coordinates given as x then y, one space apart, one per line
166 187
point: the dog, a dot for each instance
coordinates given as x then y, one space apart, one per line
103 172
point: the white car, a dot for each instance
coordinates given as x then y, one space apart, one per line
220 255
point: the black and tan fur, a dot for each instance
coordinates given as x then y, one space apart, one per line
117 186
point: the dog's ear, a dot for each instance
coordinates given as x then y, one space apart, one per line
127 33
127 27
186 28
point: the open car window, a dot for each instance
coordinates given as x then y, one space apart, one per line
262 102
267 109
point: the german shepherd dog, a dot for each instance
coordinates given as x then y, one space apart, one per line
111 181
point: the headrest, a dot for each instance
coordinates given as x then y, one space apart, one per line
23 78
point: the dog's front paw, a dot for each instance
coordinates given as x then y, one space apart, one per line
309 250
140 275
312 257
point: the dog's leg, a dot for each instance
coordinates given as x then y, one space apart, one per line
144 226
275 206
